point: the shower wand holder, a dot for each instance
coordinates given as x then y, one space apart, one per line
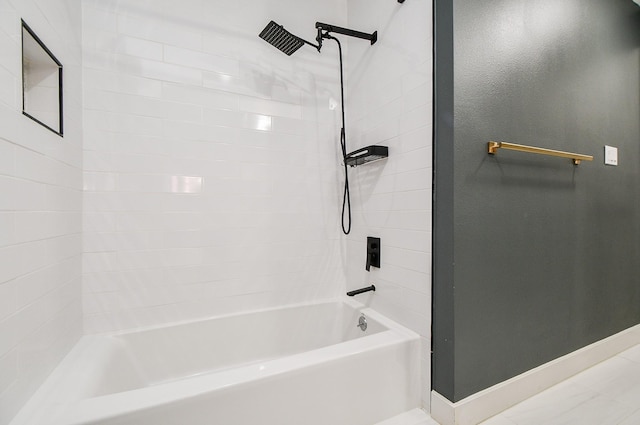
366 155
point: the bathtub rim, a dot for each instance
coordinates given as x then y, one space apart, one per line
349 301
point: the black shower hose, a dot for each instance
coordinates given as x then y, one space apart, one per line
346 197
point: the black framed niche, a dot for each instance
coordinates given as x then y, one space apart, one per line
41 82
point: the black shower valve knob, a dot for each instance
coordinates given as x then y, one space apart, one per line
373 252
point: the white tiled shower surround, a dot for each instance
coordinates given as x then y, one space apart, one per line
40 208
212 171
212 167
211 161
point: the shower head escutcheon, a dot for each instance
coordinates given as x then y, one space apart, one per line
288 43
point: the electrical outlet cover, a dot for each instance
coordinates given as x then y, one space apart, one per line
610 155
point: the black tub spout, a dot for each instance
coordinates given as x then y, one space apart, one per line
361 290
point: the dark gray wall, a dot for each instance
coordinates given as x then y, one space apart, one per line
539 257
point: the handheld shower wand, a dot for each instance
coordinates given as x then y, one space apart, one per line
288 43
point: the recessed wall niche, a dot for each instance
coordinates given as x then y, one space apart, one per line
41 82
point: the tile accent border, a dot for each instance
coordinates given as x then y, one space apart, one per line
487 403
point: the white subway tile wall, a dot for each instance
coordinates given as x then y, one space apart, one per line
389 103
211 160
40 208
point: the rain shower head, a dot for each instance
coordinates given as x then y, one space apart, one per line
281 39
288 43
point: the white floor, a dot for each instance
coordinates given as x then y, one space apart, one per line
606 394
412 417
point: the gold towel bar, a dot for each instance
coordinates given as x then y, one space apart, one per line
576 157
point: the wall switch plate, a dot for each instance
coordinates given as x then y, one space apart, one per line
610 155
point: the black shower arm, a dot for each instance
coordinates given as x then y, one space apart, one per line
346 31
315 46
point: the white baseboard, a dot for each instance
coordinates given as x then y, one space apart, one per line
487 403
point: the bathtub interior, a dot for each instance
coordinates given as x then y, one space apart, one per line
142 358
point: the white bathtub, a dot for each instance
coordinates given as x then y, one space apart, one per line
306 364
